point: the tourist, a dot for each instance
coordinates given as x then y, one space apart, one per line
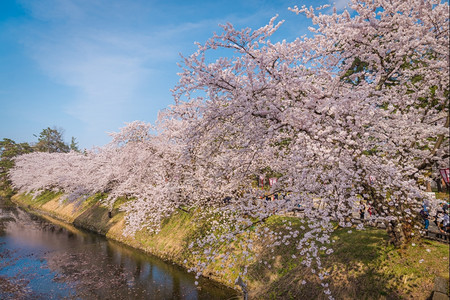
362 210
446 222
425 216
370 210
444 206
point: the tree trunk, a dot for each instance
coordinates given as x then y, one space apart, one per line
439 185
399 234
428 187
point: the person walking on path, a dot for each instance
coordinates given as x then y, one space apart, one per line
446 223
425 216
362 210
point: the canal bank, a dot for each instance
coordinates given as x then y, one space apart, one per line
363 265
55 260
170 244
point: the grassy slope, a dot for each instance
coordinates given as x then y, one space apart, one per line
362 267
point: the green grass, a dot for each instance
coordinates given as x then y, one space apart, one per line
6 191
39 200
92 200
443 196
174 234
363 266
362 246
119 201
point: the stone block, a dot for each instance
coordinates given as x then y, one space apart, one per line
439 296
441 285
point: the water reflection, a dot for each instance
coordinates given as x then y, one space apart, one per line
41 260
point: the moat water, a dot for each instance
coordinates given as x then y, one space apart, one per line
42 260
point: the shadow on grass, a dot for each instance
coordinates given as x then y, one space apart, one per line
354 267
96 218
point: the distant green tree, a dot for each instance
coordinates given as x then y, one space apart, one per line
74 145
51 140
8 150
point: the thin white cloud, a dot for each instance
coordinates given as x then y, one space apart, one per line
106 64
110 51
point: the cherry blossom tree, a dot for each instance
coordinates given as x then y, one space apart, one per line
358 112
367 96
146 167
137 164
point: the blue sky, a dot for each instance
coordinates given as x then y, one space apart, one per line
89 66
